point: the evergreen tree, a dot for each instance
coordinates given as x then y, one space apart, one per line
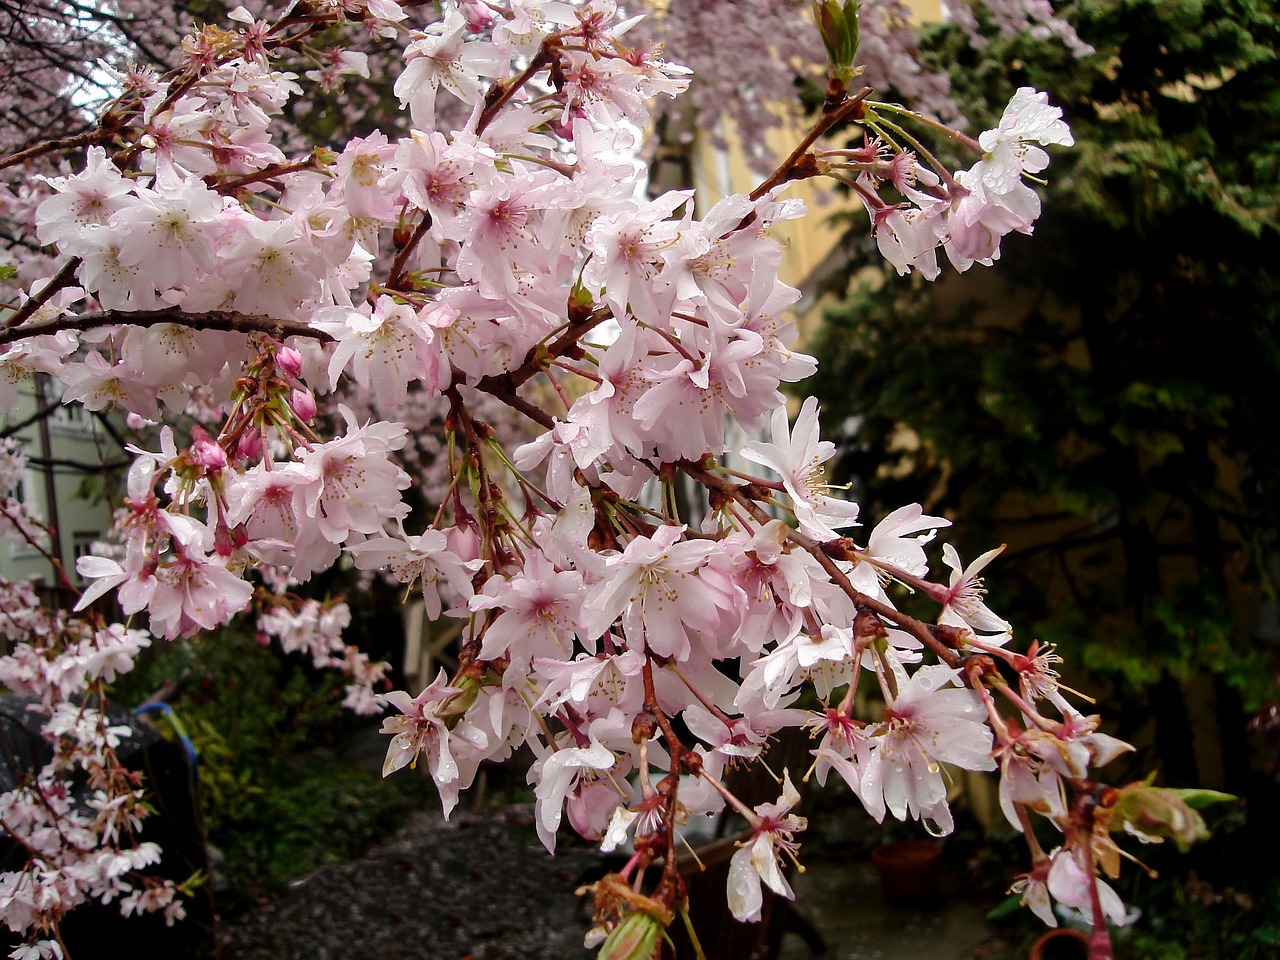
1107 403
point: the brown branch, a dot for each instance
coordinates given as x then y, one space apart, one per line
675 749
226 320
52 146
535 361
396 274
41 413
795 166
266 173
517 402
80 466
19 523
503 386
59 280
507 91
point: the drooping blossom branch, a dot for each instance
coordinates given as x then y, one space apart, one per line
640 645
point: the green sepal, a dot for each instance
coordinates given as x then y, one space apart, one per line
1158 813
1198 799
635 938
838 24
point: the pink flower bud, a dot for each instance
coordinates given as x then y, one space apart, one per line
250 445
478 16
206 452
303 404
289 362
464 539
562 130
223 544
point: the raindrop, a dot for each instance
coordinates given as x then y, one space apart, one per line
933 828
933 767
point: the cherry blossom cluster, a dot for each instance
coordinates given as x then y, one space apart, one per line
315 628
637 608
78 812
18 525
735 48
967 213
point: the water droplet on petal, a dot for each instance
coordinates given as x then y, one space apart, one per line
932 827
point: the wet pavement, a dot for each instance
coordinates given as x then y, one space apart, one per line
481 887
844 901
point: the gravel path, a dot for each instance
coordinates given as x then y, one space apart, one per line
478 888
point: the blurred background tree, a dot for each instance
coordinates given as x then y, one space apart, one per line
1106 404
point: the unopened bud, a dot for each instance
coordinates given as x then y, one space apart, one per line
1154 813
303 404
643 727
635 938
463 538
561 129
452 710
580 304
206 452
838 24
289 361
250 445
479 17
223 544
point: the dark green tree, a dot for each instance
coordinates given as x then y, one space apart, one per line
1108 403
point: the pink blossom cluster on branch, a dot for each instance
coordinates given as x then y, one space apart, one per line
639 653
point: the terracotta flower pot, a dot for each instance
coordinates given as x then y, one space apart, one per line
1061 944
908 869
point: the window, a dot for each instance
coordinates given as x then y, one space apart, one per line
82 542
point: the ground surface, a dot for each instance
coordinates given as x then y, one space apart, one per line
478 888
482 887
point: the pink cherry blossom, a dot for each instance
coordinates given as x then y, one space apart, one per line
420 729
351 484
424 559
638 614
962 600
651 586
757 861
928 724
797 455
559 773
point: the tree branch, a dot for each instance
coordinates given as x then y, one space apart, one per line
227 320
